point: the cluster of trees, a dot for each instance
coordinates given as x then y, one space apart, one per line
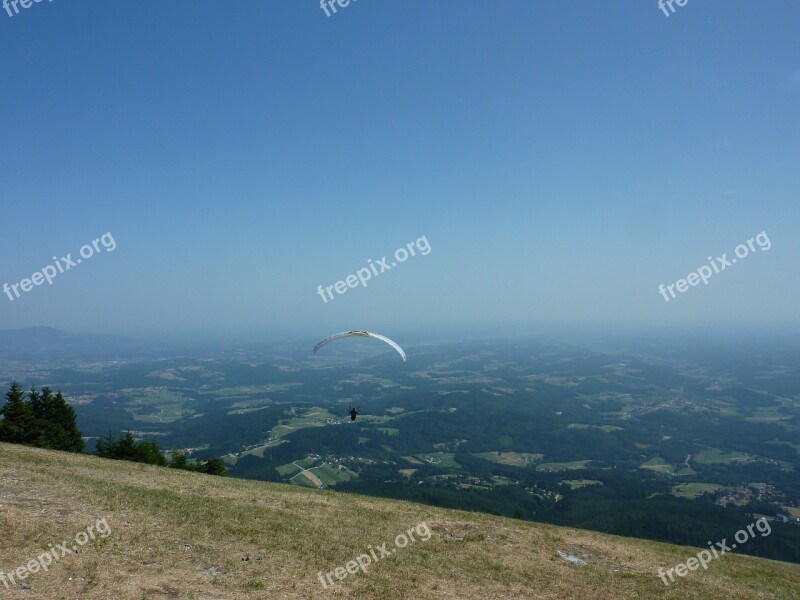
46 420
147 451
41 419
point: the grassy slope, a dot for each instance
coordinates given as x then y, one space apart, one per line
169 527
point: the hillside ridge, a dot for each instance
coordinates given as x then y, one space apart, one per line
115 529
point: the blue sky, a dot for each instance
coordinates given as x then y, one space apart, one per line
562 160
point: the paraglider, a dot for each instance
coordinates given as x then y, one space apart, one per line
353 413
361 333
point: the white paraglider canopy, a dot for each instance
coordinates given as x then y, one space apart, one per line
360 333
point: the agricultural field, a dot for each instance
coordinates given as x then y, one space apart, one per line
606 428
716 456
514 459
577 484
331 475
157 405
695 490
563 466
442 460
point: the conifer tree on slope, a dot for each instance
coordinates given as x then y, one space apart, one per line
58 412
42 420
17 424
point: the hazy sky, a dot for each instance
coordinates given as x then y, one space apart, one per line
562 159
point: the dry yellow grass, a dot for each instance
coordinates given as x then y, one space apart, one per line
185 535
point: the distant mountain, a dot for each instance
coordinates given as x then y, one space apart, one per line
47 342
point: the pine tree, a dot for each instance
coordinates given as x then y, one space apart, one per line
18 418
62 415
104 447
42 432
147 451
215 466
127 448
178 460
54 423
35 400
